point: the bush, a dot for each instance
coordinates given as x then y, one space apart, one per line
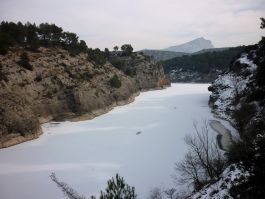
127 49
38 78
119 64
3 43
130 71
3 50
240 151
24 61
115 81
243 115
97 56
255 163
2 74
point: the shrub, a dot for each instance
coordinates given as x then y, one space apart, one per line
106 52
2 74
119 64
243 115
24 61
115 81
97 56
38 78
127 49
4 40
130 71
3 50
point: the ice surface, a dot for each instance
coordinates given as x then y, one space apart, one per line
86 154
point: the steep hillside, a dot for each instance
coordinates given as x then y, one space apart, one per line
239 96
161 55
203 67
61 86
211 50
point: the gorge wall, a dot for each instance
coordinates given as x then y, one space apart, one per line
60 86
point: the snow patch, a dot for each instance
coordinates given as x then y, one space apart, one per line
233 175
244 60
229 85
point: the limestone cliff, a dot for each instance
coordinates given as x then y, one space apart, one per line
61 86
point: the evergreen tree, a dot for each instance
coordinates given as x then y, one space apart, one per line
127 49
106 52
45 33
24 61
115 81
82 46
118 189
116 48
32 37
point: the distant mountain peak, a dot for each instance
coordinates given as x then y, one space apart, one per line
192 46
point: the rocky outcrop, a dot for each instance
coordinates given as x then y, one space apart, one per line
62 86
239 97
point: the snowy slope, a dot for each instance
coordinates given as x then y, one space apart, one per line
228 86
238 96
233 175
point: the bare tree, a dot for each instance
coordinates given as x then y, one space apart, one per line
170 193
156 193
66 189
203 162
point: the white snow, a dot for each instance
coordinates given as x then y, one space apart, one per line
244 60
86 154
229 86
220 189
227 83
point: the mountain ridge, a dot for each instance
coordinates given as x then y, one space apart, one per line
198 45
192 46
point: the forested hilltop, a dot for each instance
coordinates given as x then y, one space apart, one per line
203 67
49 74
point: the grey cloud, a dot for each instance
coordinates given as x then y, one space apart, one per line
145 23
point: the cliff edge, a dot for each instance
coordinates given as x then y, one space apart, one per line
57 85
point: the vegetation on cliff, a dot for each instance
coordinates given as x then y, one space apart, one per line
62 78
239 96
204 62
202 67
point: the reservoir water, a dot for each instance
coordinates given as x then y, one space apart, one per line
141 141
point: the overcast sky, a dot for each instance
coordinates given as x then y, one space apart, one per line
149 24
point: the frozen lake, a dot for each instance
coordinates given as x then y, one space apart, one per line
86 154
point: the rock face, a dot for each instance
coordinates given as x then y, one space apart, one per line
239 96
62 86
192 46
